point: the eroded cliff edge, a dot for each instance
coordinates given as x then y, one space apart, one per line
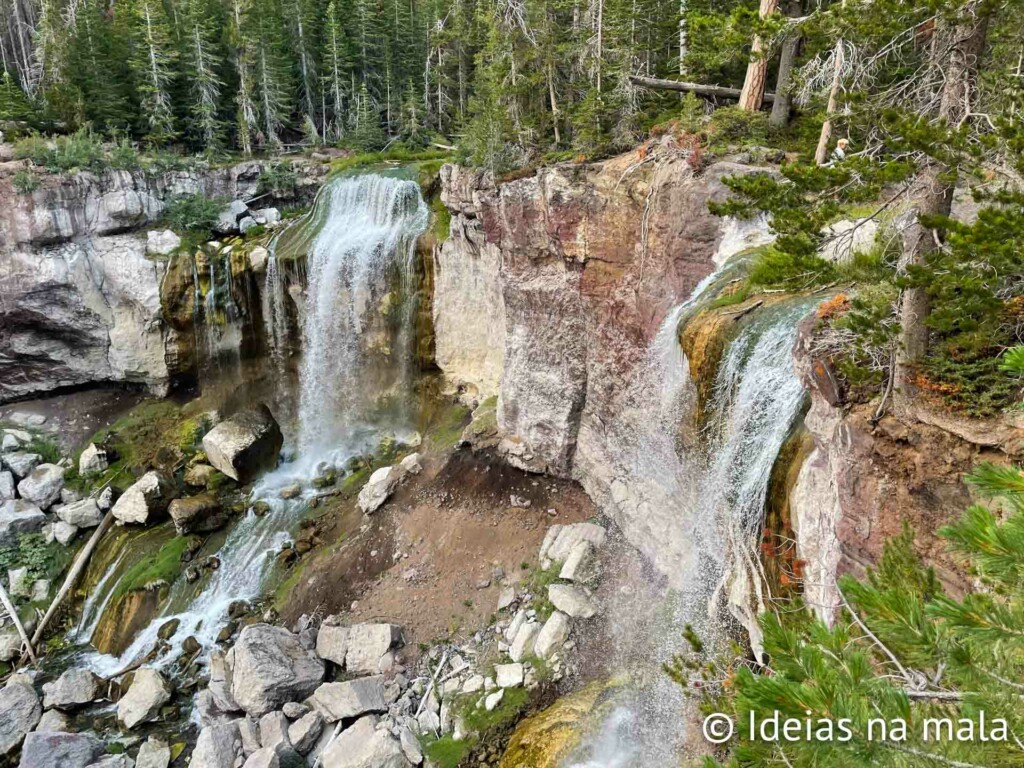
549 293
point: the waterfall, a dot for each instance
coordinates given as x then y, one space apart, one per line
356 340
275 312
714 493
348 266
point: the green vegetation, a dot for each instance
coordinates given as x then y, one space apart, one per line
196 214
46 448
43 560
480 725
901 650
154 572
25 182
537 583
280 179
445 425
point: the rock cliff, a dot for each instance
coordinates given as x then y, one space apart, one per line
549 293
79 294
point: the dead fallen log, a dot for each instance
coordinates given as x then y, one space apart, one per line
13 613
717 91
74 574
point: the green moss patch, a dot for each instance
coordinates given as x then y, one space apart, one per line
160 570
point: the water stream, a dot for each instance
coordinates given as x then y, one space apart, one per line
712 491
358 242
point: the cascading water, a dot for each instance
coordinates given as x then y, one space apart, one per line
715 491
360 238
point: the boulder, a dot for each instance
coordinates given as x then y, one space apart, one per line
258 257
378 488
244 444
269 216
113 761
161 242
247 223
154 753
218 746
21 463
149 691
274 729
198 514
305 731
199 475
10 643
227 221
508 675
280 756
352 698
81 514
552 635
21 713
410 746
75 688
6 486
579 566
268 666
54 720
332 643
411 464
93 460
40 590
19 582
361 745
19 516
9 443
572 601
368 645
63 532
42 485
524 642
491 701
144 501
52 749
561 539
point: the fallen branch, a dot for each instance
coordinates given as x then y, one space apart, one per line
74 574
9 606
717 91
745 311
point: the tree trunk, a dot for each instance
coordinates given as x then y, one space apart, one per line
714 91
956 55
821 153
554 106
752 94
783 95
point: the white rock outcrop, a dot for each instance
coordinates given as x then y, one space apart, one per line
144 501
244 444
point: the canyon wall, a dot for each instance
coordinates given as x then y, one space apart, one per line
549 293
79 293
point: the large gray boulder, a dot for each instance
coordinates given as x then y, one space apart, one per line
352 698
369 647
53 749
245 444
379 488
305 731
19 516
268 666
201 513
75 688
218 746
93 460
148 692
552 635
154 753
43 484
21 711
332 641
21 463
81 514
145 501
361 745
571 600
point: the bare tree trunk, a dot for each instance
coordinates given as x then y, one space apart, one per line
600 41
554 106
74 574
682 38
821 153
783 96
956 55
752 93
13 613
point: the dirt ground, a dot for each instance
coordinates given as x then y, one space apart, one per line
432 558
73 417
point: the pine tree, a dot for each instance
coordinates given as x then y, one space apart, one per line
336 68
15 110
203 63
367 133
152 62
270 87
246 116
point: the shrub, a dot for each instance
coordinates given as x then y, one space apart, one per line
794 271
25 182
78 151
279 179
124 156
735 124
192 213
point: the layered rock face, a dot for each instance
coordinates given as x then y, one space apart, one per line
549 293
79 293
863 482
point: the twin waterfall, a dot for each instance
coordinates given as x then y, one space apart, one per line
697 472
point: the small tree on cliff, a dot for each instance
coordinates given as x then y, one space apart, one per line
901 650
